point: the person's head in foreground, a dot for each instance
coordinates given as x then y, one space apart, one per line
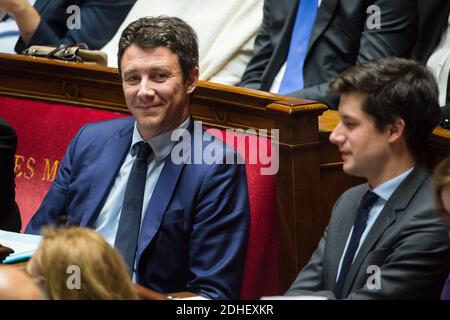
77 263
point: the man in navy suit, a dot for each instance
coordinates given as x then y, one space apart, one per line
195 217
47 22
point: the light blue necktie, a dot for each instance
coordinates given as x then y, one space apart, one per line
304 22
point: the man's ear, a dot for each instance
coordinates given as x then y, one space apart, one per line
396 130
192 79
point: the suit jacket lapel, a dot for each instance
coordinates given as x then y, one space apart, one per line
385 219
397 202
323 19
106 167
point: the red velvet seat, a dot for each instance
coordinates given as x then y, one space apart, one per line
45 130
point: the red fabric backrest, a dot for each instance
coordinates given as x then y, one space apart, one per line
44 131
261 265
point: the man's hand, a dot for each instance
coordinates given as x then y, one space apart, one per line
26 16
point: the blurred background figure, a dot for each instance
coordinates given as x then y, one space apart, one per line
45 22
433 48
15 284
77 263
9 212
226 32
441 191
388 109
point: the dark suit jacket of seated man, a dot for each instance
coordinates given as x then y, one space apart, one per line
99 21
9 212
388 108
194 231
344 34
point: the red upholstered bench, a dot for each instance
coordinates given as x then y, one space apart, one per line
44 131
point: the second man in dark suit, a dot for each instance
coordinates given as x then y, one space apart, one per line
9 212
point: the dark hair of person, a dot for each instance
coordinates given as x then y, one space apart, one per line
395 88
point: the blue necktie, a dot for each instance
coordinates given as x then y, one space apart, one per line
130 217
358 229
304 22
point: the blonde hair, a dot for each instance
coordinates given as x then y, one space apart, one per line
441 178
103 273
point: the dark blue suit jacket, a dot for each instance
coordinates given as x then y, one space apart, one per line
100 20
195 230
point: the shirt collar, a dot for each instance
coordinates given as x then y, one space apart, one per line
161 145
386 189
